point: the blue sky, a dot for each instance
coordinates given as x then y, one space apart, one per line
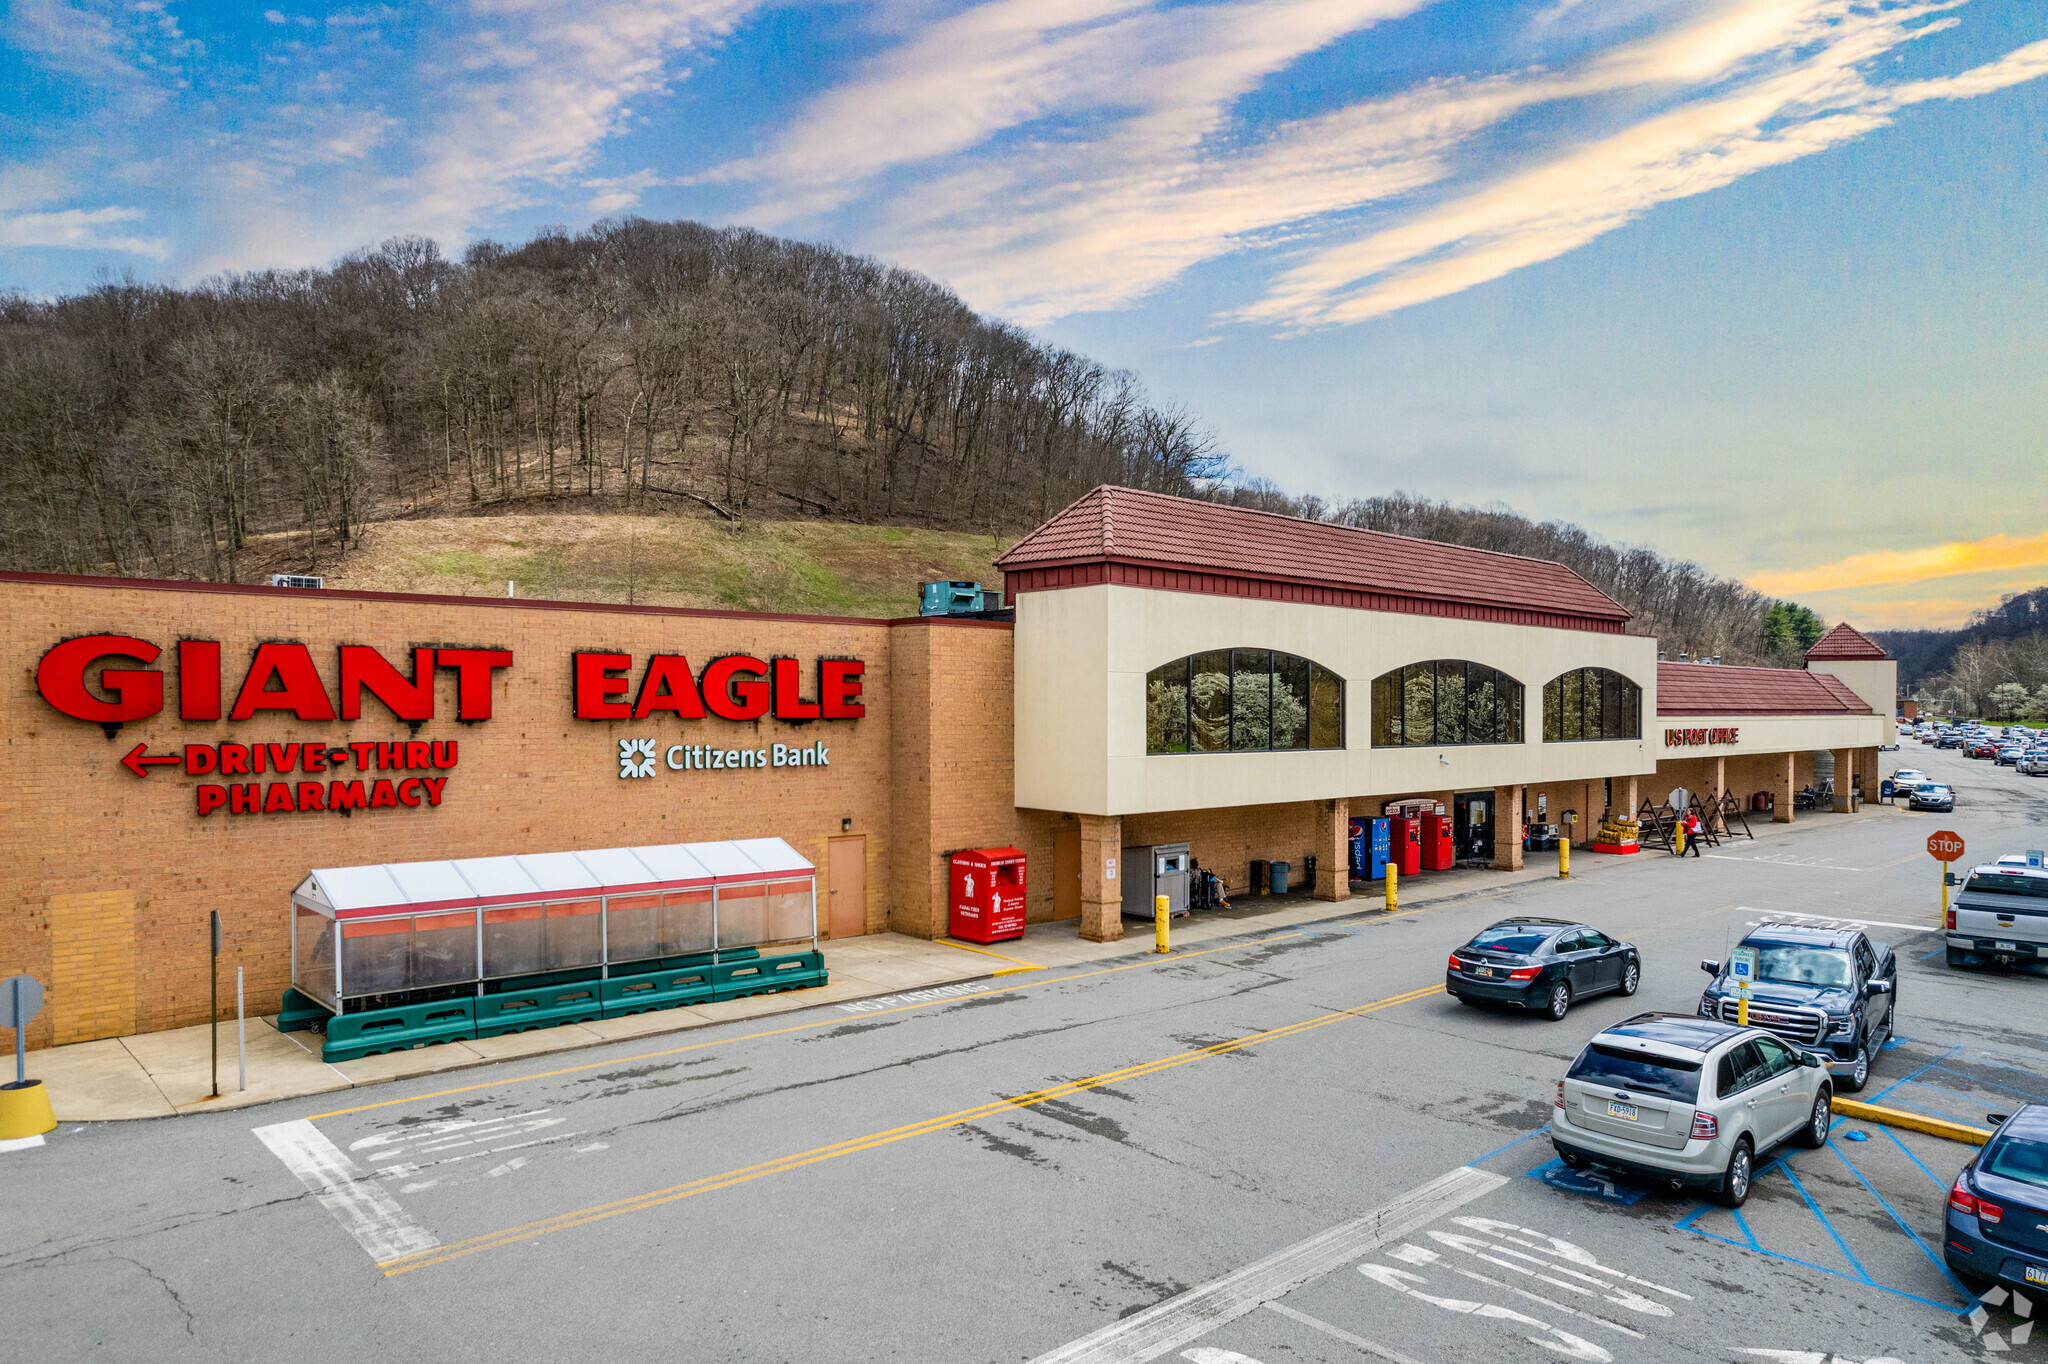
1755 281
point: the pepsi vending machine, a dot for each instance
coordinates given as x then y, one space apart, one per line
1369 840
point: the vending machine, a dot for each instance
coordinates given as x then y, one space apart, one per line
1404 833
1438 853
1369 842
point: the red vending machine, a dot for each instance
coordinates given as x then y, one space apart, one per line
1437 851
987 899
1405 832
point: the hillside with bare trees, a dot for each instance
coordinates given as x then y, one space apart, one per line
257 422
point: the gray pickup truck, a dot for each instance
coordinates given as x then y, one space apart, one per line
2001 915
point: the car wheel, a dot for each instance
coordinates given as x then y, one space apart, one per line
1631 977
1815 1133
1734 1190
1560 1002
1859 1070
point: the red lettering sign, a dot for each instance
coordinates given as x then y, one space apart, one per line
736 687
299 689
668 686
789 704
839 688
138 694
599 677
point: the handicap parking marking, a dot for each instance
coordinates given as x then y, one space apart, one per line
1773 916
1593 1183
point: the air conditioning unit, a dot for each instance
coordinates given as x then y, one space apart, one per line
296 580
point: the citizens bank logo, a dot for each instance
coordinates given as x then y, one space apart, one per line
636 758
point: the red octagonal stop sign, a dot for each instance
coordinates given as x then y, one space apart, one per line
1945 845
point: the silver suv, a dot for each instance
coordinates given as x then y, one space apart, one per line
1689 1101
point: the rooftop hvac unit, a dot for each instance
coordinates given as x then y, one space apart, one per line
296 580
957 599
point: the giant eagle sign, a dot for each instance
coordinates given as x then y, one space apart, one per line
110 680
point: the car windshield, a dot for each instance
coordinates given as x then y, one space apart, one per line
2018 1158
1512 938
1784 964
1930 789
1619 1069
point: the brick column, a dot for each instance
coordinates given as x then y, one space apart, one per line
1787 783
1507 828
1866 763
1333 858
1102 878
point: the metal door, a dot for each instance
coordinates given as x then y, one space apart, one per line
847 875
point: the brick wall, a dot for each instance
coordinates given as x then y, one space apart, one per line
108 877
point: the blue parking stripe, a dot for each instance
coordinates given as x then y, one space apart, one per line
1944 1307
1937 952
1882 1202
1531 1136
1814 1207
1939 1183
1914 1074
1923 1108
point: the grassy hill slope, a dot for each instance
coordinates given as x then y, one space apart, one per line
807 567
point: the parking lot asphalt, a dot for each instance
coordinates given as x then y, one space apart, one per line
1289 1146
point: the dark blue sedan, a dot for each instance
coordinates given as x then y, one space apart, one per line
1998 1209
1541 964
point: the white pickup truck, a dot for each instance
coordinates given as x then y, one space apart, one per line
2001 915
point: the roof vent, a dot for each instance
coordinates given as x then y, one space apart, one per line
1681 655
1660 656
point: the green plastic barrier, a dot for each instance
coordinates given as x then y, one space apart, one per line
376 1031
766 975
543 1006
648 991
299 1012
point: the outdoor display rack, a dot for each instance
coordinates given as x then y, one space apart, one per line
409 954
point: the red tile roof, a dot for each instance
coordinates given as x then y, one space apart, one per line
1845 642
1197 541
1713 689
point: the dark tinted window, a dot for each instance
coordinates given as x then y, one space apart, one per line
1513 938
1741 1068
2018 1158
1777 1057
1618 1069
1992 883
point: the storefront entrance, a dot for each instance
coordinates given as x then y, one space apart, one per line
1472 835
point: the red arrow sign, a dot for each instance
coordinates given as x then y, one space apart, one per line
137 763
1945 845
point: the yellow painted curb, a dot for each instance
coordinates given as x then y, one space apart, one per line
984 952
1912 1122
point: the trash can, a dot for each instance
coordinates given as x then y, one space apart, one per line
1278 873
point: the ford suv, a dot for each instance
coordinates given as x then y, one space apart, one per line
1829 991
1688 1101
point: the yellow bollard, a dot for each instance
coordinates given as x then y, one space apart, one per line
1678 840
1393 887
1943 925
1159 917
1564 855
1742 1008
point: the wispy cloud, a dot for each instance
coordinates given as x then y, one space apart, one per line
81 228
1993 554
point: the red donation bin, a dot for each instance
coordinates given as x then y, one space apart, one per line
1437 851
988 894
1405 848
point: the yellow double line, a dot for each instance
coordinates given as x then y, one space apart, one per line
405 1264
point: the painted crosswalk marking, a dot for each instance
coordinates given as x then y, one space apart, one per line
365 1211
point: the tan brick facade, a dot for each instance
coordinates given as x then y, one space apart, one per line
108 877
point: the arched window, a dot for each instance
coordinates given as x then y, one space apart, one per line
1242 700
1591 703
1445 701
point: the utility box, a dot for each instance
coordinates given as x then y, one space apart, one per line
1438 850
1152 870
1404 850
957 599
987 900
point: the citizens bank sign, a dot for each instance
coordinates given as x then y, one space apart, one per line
90 678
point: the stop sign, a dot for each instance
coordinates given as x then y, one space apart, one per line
1945 845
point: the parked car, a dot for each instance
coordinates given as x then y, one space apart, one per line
1688 1101
1541 964
1981 748
2001 915
1931 795
1949 741
1998 1210
1830 991
2010 755
2035 765
1907 777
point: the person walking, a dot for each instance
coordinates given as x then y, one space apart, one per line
1692 832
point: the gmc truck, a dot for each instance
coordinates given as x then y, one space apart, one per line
2001 915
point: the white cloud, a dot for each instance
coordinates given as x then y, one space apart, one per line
80 229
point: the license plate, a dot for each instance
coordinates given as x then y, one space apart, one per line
2006 946
1485 971
2036 1274
1619 1110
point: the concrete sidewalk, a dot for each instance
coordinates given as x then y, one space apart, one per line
159 1074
